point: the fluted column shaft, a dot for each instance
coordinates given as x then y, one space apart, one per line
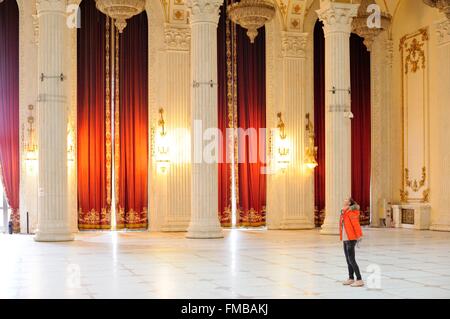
204 19
299 207
337 18
53 215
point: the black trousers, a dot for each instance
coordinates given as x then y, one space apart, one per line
349 250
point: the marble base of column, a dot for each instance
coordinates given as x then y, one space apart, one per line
296 224
331 229
205 230
54 234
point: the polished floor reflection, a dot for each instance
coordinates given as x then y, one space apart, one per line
246 264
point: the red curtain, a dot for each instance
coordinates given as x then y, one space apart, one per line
319 122
251 75
133 166
225 115
361 125
9 106
94 159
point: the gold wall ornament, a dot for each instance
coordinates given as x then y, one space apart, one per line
108 135
414 184
281 126
162 122
161 145
30 147
252 15
116 115
415 57
121 10
71 143
413 49
404 195
311 149
282 144
442 5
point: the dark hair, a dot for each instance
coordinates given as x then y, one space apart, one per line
352 201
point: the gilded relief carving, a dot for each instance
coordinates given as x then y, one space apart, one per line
413 48
416 56
416 185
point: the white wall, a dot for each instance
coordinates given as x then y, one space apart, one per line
409 18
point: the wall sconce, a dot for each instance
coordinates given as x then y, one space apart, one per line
162 149
70 144
311 149
30 147
282 145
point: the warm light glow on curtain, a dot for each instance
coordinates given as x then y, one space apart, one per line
133 166
93 112
9 106
251 80
242 104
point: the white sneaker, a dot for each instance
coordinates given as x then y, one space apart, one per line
358 283
348 282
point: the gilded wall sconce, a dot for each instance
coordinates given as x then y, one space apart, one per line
311 149
30 147
70 144
161 145
282 145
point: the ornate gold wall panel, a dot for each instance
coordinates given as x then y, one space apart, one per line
415 117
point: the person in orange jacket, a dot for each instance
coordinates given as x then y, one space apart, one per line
351 234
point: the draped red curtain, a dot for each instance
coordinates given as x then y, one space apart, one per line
251 102
94 159
224 115
361 125
133 166
319 122
9 106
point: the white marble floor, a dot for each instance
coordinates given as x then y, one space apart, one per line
246 264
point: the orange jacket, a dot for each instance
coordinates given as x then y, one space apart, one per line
350 218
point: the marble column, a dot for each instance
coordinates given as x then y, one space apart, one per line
337 18
53 214
381 82
204 18
298 212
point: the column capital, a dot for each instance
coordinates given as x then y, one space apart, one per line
294 44
177 38
337 16
206 11
53 6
